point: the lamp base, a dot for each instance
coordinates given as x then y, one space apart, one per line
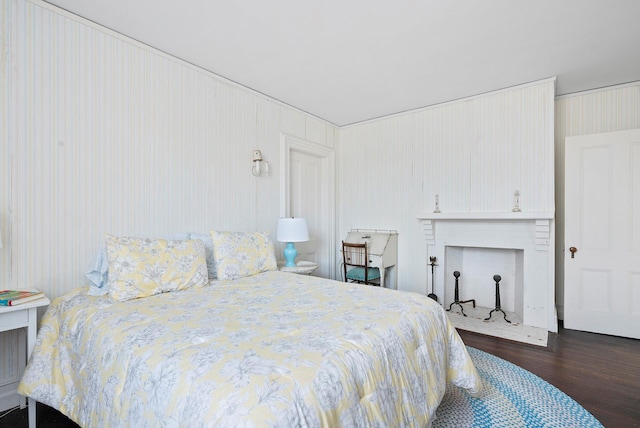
290 254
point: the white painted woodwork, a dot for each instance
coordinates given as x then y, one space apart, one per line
473 153
487 216
519 250
602 220
308 190
349 61
606 110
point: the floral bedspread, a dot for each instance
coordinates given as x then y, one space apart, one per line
275 349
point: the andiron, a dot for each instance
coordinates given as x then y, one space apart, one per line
497 279
456 300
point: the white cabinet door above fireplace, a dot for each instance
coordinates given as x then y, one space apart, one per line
602 233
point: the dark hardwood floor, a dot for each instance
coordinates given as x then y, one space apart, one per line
600 372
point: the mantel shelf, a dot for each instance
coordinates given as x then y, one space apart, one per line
544 215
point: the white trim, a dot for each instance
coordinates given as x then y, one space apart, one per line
120 36
151 49
289 143
447 103
602 89
548 215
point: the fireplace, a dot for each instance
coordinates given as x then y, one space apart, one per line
476 267
516 246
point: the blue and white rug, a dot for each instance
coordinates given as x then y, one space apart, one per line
512 397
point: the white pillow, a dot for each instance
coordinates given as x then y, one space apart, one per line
208 249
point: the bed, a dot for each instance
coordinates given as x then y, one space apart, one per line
269 349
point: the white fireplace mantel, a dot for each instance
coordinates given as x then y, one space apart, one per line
530 232
542 223
487 216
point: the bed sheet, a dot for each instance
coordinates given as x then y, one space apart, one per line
275 349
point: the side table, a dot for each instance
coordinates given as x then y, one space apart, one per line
302 268
20 316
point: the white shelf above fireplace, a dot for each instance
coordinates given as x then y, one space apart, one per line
487 216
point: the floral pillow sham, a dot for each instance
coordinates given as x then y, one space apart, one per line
240 254
141 267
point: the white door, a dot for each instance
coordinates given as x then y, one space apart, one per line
308 191
602 226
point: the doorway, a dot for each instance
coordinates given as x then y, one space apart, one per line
308 190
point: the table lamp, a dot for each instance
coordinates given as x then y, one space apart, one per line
292 230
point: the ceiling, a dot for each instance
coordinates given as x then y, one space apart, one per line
348 61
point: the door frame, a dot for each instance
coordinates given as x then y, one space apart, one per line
290 143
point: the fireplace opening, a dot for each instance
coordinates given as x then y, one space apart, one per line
477 267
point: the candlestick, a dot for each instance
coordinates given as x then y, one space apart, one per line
516 201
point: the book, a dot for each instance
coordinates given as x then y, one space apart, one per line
19 297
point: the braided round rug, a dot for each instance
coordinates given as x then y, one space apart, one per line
512 397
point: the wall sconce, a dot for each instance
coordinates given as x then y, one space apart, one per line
260 166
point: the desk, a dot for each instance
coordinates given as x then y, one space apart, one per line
25 315
382 247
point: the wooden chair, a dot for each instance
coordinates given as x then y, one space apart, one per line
356 264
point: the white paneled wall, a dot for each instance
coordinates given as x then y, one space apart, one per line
606 110
104 135
473 153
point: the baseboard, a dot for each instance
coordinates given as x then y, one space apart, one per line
9 396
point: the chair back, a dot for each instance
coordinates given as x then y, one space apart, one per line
356 256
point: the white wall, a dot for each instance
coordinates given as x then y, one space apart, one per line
100 134
474 153
406 162
610 109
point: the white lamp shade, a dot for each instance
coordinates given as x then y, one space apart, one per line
292 229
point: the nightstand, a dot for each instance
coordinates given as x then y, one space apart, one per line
25 315
302 268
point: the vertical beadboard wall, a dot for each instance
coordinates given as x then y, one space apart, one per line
474 153
610 109
5 148
104 135
101 134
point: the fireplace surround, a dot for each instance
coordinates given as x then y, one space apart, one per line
517 246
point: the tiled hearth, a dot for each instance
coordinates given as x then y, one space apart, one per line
517 246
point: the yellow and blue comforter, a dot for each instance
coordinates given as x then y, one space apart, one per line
274 349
